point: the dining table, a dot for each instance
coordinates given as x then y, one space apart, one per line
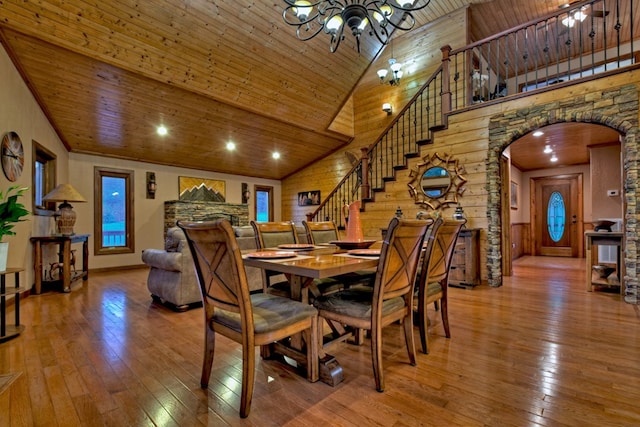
301 267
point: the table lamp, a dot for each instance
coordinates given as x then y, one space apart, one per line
66 217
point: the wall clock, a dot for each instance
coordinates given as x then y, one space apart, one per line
12 156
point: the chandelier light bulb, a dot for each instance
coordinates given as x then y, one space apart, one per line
547 149
553 158
302 10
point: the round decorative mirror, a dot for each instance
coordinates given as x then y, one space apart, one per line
437 181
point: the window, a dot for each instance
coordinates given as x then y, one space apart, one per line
263 203
44 179
113 229
556 216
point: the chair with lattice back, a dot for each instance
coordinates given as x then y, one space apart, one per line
230 310
433 278
389 300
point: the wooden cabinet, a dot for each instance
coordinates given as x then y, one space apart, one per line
8 330
465 265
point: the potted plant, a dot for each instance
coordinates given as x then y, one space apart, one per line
11 211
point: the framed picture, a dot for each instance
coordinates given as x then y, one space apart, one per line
201 189
309 198
514 195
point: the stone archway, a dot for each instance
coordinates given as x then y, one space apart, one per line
616 108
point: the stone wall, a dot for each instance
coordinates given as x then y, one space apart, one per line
174 210
617 108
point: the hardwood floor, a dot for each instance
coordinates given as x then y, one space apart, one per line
540 350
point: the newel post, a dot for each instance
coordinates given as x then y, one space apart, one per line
446 86
365 187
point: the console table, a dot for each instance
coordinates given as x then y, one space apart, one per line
64 259
7 330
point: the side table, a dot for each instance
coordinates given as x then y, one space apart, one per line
8 331
64 257
610 238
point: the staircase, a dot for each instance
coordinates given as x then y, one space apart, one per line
538 56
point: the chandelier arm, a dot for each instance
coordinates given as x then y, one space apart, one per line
311 34
380 32
336 38
407 17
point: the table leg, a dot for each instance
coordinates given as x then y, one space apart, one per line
66 266
330 369
37 267
85 259
589 263
16 300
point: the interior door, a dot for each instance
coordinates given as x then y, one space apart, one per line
557 215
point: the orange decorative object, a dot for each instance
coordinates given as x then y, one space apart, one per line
352 221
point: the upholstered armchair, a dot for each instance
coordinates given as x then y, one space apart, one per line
172 278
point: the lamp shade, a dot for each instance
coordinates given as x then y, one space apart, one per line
66 216
64 193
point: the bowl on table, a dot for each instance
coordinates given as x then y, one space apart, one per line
352 244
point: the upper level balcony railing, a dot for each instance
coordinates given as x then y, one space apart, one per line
586 40
580 41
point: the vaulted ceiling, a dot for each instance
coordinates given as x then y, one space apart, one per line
107 73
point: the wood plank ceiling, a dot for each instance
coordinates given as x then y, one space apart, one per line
107 73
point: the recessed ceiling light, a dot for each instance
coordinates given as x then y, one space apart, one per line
538 133
275 155
162 131
231 146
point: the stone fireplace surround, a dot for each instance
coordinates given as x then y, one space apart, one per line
174 210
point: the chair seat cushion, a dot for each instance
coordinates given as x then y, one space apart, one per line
434 288
270 313
355 302
360 277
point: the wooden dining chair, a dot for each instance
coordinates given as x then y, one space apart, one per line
270 235
322 232
390 299
249 319
433 278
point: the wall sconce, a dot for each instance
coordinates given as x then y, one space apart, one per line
151 185
245 192
387 108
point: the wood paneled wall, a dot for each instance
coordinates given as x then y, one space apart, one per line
520 240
